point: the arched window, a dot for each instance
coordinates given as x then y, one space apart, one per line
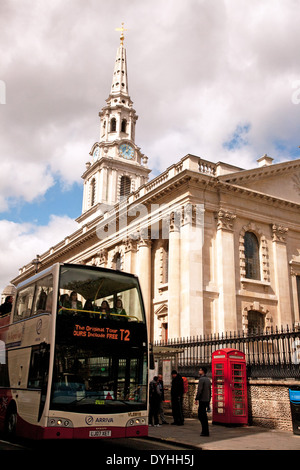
118 262
103 128
123 126
113 125
256 322
252 256
125 186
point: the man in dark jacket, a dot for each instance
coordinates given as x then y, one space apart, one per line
176 397
203 398
154 401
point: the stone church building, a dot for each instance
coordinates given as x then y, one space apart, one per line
216 247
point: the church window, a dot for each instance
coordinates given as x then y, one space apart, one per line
123 126
164 332
113 125
93 192
256 322
125 186
251 256
117 262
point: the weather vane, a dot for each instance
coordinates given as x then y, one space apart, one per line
122 33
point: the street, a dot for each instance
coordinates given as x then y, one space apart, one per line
105 447
139 453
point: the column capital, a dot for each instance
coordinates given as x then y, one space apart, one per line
103 255
279 233
130 244
144 242
175 218
225 220
192 214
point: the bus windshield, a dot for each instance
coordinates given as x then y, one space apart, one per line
99 294
100 363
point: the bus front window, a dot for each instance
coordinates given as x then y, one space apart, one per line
86 380
101 343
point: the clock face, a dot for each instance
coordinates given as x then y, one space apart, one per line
126 151
96 153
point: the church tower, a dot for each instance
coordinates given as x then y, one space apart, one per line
117 166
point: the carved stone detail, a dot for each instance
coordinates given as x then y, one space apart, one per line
225 220
279 233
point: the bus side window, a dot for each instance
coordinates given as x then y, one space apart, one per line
24 303
39 366
43 296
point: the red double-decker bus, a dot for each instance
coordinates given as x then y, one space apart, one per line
74 356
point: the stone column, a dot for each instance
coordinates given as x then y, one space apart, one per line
281 273
144 274
295 273
227 320
102 190
174 277
112 184
130 249
191 270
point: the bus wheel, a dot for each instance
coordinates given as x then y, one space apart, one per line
11 421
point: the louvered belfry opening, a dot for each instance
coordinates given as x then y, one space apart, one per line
125 186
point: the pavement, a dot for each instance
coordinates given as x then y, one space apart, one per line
224 437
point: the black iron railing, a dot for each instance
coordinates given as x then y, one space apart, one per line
271 353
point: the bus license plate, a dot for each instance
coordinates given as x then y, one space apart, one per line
99 433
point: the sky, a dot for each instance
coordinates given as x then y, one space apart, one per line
219 79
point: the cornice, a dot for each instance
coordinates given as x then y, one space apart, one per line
115 163
261 172
248 192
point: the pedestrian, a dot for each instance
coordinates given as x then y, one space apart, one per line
5 308
203 397
154 401
162 399
177 398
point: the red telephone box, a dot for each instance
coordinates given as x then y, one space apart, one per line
229 387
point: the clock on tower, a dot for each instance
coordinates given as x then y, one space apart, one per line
126 151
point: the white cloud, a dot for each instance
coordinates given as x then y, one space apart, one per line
198 70
20 243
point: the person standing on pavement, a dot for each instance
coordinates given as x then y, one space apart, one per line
177 397
162 398
154 401
203 397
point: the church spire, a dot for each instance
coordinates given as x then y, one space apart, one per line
120 81
118 166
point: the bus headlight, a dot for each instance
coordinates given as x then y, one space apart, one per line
60 422
136 422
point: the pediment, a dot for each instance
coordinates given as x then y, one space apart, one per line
280 180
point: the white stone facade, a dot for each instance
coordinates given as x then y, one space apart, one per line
186 232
